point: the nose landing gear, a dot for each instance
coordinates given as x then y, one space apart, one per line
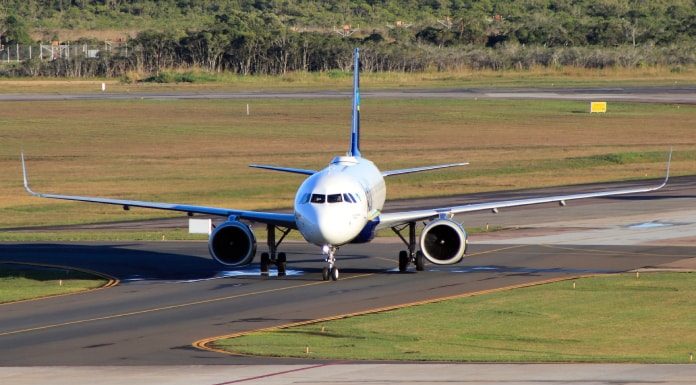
330 271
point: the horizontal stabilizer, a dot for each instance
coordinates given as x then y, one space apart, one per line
419 169
284 169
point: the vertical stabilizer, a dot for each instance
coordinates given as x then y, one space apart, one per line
355 127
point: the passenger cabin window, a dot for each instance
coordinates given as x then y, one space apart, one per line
335 198
318 198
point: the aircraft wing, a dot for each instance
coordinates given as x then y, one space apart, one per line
419 169
392 219
279 219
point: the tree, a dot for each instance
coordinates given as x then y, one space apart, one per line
15 31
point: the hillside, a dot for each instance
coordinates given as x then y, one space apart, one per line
276 36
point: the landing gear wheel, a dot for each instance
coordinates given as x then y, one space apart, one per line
334 273
420 261
265 261
325 274
403 260
280 263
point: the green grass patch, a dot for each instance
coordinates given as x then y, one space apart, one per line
616 318
22 282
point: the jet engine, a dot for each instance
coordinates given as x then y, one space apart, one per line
233 244
443 242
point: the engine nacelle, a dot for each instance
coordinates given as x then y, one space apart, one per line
443 242
233 244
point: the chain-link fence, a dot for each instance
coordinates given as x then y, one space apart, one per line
47 52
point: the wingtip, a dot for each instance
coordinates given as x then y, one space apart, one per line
669 163
24 175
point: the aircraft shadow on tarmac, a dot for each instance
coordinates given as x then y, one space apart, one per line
133 262
189 262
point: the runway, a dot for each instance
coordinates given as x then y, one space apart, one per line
172 293
657 94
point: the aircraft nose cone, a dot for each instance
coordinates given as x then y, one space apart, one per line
334 229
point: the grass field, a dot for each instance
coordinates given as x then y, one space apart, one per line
198 151
617 318
21 282
337 80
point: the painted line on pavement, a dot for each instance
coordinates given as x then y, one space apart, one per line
273 374
111 281
170 307
205 344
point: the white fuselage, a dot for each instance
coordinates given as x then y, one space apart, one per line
334 205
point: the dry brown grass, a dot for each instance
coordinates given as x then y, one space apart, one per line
198 151
295 81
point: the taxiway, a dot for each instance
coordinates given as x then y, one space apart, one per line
172 293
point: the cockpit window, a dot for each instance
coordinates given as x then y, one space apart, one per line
347 198
335 198
305 198
318 198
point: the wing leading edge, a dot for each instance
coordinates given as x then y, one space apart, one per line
391 219
279 219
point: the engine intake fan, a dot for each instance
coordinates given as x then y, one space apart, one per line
443 242
233 244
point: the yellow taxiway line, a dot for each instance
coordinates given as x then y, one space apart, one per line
205 344
110 281
178 306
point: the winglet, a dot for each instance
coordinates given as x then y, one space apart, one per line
669 162
26 180
355 126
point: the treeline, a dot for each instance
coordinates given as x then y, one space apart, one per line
315 52
443 22
261 37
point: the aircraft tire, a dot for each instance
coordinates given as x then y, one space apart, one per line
403 260
281 264
420 261
265 261
325 274
334 273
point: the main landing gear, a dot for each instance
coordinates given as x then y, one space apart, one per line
272 257
410 255
330 271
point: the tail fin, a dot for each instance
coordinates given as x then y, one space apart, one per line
355 128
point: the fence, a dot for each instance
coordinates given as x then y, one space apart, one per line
46 52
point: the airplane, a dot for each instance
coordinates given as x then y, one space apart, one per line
342 204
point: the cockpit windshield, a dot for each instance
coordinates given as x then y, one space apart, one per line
335 198
331 198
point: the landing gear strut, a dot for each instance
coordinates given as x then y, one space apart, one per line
330 271
272 257
410 255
